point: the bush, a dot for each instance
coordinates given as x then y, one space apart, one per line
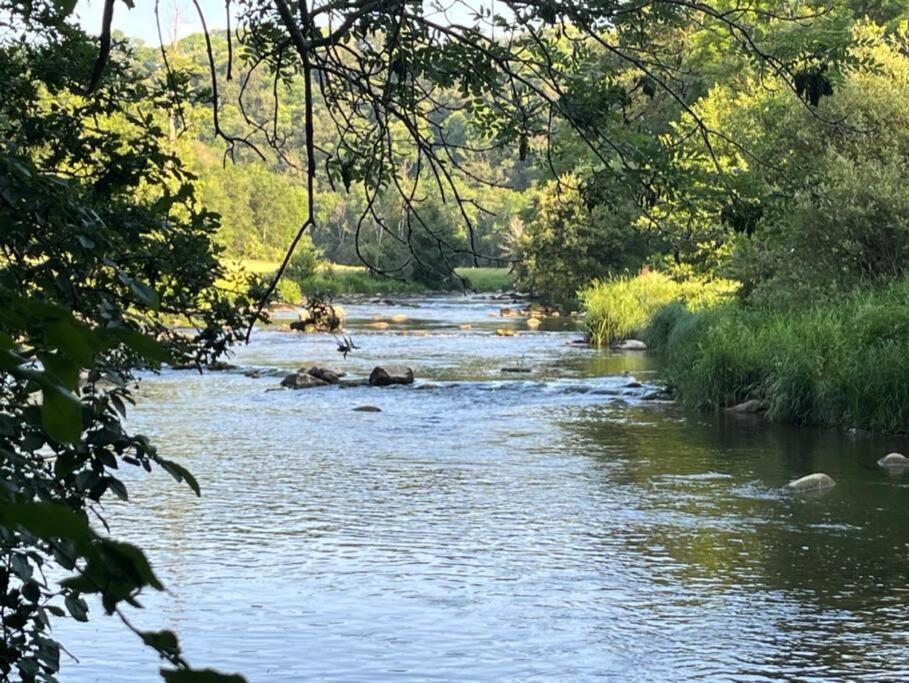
625 306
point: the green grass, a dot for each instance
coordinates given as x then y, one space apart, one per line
623 307
845 363
487 279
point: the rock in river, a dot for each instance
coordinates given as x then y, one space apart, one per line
329 375
894 460
812 482
630 345
367 409
751 406
392 374
302 380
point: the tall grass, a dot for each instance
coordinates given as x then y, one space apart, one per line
845 363
623 307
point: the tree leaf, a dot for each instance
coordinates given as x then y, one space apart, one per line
77 607
61 413
180 473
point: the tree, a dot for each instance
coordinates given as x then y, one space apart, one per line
101 243
379 75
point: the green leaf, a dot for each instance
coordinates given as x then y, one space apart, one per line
73 340
61 414
199 676
163 641
144 345
118 488
181 474
63 369
46 520
77 607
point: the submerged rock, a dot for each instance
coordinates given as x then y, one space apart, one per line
751 406
399 318
392 374
516 370
894 460
533 323
465 326
630 345
812 482
504 332
349 383
657 395
367 409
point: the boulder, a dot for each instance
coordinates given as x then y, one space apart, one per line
751 406
516 370
329 375
634 384
894 460
379 325
812 482
367 409
533 323
504 332
507 312
302 380
392 374
465 326
399 318
630 345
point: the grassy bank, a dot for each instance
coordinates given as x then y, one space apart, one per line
844 363
339 280
623 307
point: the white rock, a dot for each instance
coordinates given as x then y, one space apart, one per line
894 460
812 482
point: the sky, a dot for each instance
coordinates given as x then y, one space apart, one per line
139 22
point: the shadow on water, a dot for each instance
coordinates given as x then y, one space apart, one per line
494 526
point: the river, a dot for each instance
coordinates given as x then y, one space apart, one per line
548 525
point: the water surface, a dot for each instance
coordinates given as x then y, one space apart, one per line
548 525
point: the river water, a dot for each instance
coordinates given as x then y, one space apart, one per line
548 525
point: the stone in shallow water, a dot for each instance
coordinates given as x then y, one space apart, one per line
894 460
812 482
367 409
302 380
751 406
630 345
392 374
516 370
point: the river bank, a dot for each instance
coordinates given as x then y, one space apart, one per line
843 363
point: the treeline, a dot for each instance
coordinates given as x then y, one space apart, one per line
261 195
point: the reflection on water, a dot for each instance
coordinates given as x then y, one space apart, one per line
540 526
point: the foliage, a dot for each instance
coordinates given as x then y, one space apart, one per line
565 245
808 202
101 240
624 306
844 364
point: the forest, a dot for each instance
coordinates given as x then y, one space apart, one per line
724 181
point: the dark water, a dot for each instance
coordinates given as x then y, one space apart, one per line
543 526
